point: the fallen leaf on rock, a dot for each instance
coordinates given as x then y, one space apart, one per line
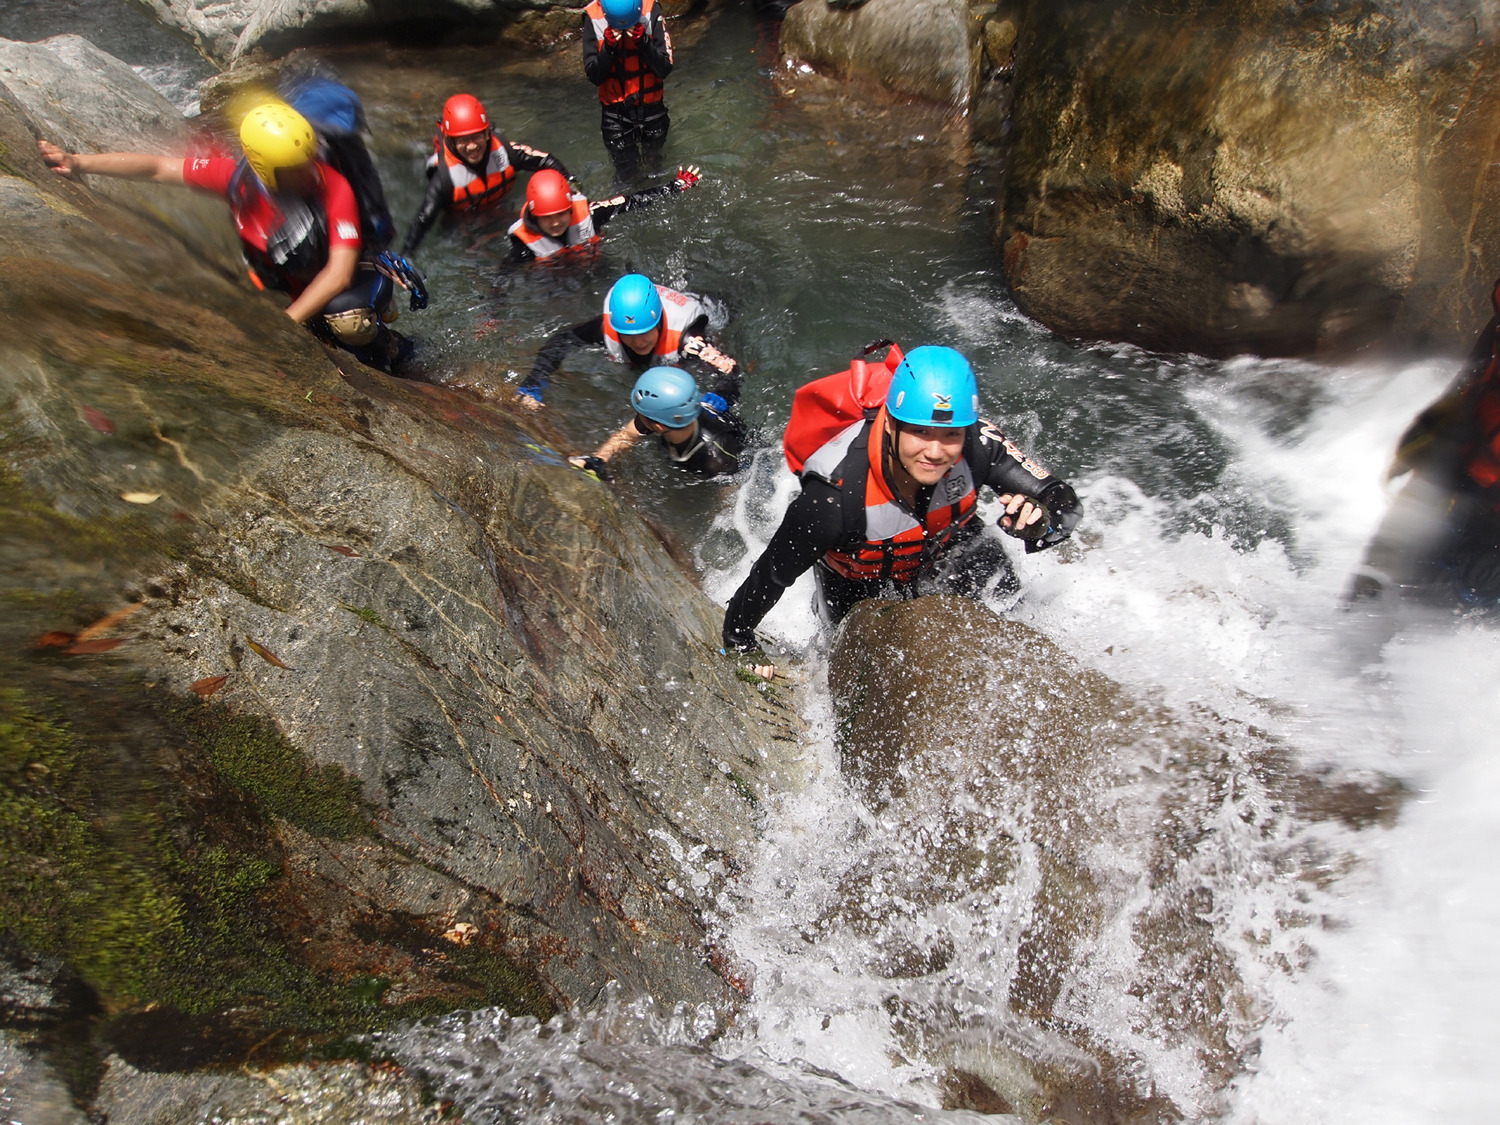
462 933
265 654
343 550
104 644
207 686
99 420
108 622
53 640
140 497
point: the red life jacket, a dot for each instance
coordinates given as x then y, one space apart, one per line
824 408
580 231
471 190
633 81
897 544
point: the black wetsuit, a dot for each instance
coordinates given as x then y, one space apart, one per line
439 197
601 212
717 445
830 516
634 128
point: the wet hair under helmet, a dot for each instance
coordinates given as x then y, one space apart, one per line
634 305
933 386
668 395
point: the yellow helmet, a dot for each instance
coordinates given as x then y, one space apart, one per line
274 135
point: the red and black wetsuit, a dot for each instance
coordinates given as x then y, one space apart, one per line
867 541
455 185
630 76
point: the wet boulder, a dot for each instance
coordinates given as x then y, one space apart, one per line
1271 177
1040 858
328 698
926 48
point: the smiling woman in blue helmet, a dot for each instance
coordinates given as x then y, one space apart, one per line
887 505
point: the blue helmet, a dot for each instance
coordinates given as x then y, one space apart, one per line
621 14
634 305
933 387
667 395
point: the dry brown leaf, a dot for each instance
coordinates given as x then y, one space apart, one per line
349 551
207 686
99 420
264 653
102 645
108 622
140 497
53 640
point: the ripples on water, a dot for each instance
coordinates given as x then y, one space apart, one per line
1226 505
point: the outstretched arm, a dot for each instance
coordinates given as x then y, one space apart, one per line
812 525
439 188
554 350
120 165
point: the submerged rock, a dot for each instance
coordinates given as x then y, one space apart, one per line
329 698
1037 835
1271 177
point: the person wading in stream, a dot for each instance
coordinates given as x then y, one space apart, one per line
627 53
471 165
298 222
557 218
643 324
888 500
696 430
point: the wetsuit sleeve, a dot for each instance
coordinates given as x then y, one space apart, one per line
607 209
598 58
656 49
520 252
532 159
999 463
439 191
813 525
556 348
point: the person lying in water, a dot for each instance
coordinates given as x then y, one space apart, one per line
698 432
643 325
556 218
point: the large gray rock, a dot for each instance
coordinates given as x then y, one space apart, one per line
1268 176
86 100
927 48
472 743
1034 882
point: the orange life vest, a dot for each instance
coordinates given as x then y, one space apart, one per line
471 190
678 311
580 231
633 81
898 544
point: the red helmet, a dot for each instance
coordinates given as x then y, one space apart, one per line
548 193
462 116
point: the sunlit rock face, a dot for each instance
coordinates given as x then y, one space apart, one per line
1271 177
1039 876
404 707
926 48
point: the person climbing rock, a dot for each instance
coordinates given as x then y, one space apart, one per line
557 218
471 166
298 223
627 53
643 324
697 431
888 501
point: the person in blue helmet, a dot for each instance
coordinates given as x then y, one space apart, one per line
887 505
627 54
698 432
643 325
